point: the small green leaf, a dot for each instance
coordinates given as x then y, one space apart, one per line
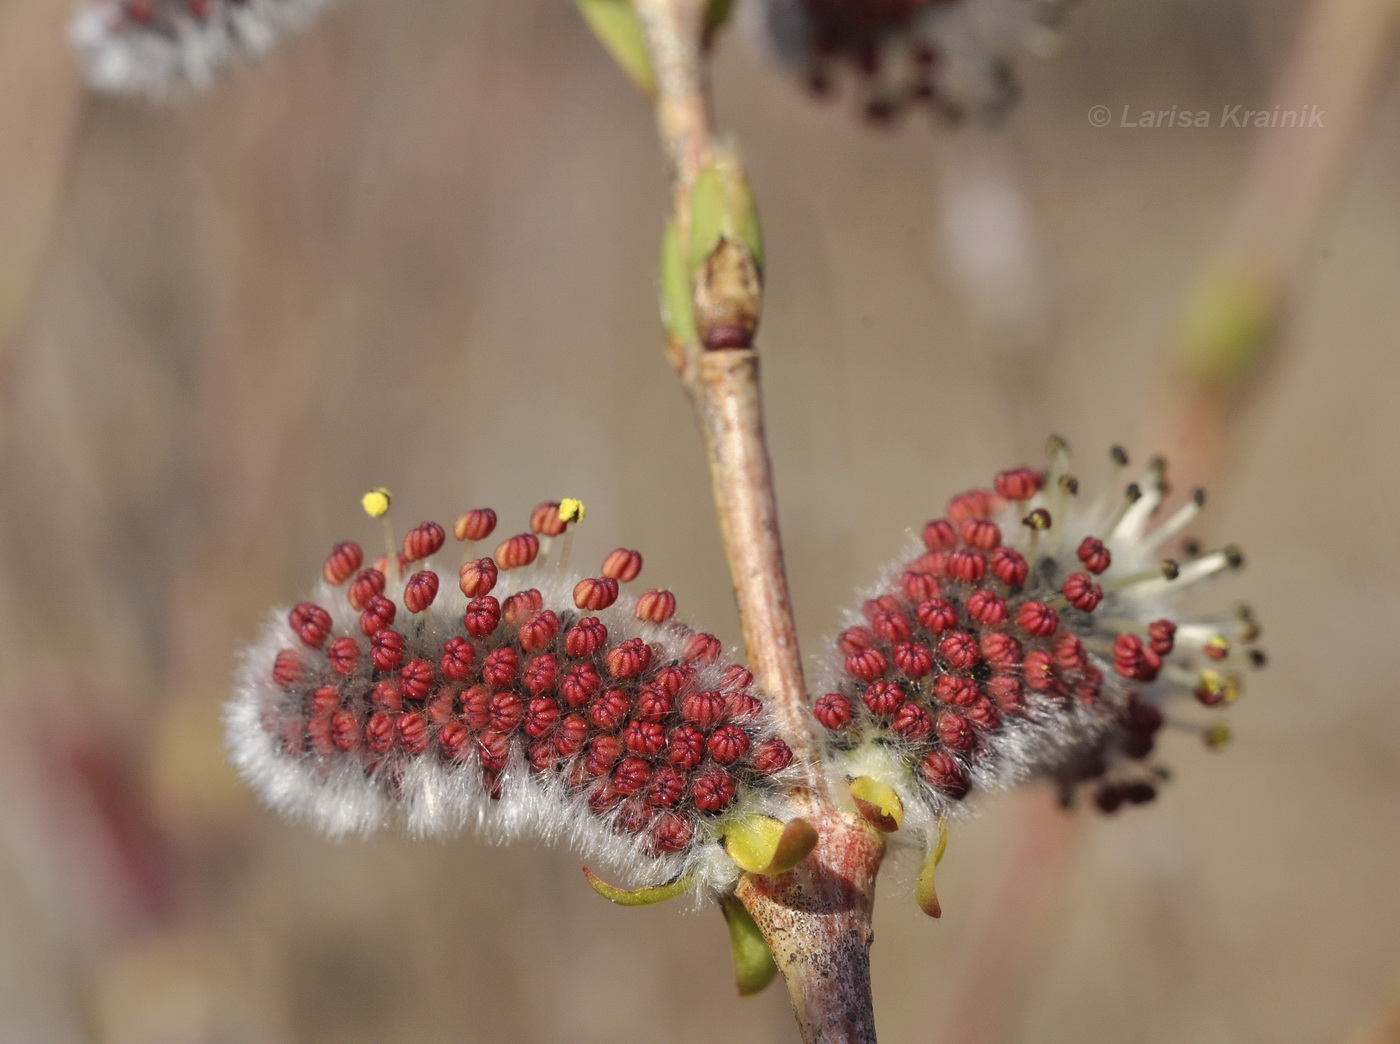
924 890
617 27
722 207
639 896
677 304
768 846
754 967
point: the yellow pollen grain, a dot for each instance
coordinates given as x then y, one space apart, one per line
376 502
571 510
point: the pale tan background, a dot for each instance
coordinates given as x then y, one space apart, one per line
416 247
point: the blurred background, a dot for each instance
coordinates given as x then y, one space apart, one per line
416 247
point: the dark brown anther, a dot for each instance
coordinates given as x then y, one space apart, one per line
420 591
595 595
656 606
483 615
344 655
365 586
478 578
622 565
1038 520
344 559
539 630
423 541
545 520
477 524
518 551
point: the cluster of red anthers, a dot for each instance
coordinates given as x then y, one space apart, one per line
948 55
560 706
1031 635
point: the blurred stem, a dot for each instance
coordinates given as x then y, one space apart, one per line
815 918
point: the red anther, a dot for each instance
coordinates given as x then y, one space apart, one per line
1161 635
873 607
629 659
400 564
311 623
603 753
771 756
1086 686
914 659
416 679
476 707
976 503
1041 675
604 797
344 559
917 586
955 731
1139 793
345 730
634 816
1000 650
960 650
742 705
702 648
1108 797
939 535
386 696
986 607
667 787
1214 651
855 639
572 734
622 565
931 563
580 684
379 732
419 592
483 616
671 833
727 744
1069 653
365 586
441 706
644 737
883 698
1037 618
866 664
981 534
656 606
545 520
386 650
423 541
477 524
494 751
478 578
1081 592
609 710
736 676
1094 555
506 712
967 565
540 674
944 772
960 692
501 667
286 669
891 625
705 709
521 604
413 732
539 630
542 755
585 638
654 703
982 714
1009 566
324 700
458 658
936 616
675 677
1018 484
520 550
1133 660
594 595
833 710
541 716
913 723
344 655
453 739
712 790
631 775
1005 689
379 613
685 746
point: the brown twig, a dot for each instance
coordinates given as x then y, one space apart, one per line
815 918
